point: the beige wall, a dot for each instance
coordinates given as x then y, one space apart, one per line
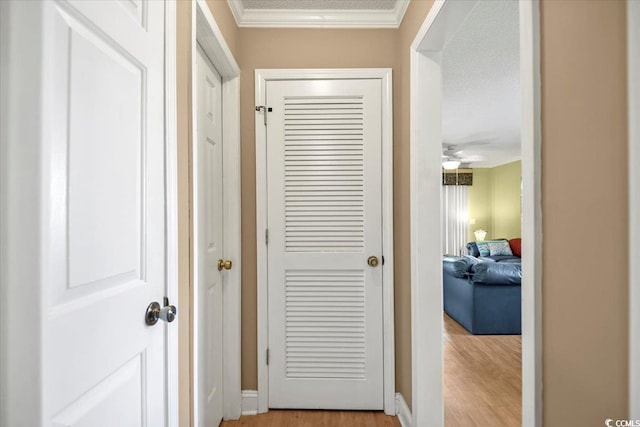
584 204
584 129
183 58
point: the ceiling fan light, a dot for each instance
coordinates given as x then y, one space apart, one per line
450 164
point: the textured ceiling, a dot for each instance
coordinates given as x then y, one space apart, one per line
320 4
481 72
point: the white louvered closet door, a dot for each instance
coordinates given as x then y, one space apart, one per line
325 220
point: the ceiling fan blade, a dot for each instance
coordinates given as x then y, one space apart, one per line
472 158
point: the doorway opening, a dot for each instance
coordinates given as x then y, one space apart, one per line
481 218
208 44
427 58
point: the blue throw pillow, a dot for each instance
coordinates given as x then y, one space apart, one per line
472 249
483 248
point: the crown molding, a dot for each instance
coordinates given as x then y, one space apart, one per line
329 18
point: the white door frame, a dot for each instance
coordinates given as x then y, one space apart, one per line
20 144
261 78
205 31
633 62
442 22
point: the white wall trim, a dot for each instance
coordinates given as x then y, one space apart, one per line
531 214
249 402
318 18
633 49
388 309
385 75
403 412
206 32
171 138
21 263
442 22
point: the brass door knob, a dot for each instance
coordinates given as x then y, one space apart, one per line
224 264
373 261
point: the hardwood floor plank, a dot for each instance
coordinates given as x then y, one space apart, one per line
294 418
482 378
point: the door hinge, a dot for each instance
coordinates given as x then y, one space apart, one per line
267 356
266 235
264 110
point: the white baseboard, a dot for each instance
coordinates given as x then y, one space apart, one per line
249 402
250 406
402 409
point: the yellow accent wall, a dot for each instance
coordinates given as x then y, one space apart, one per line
480 203
507 200
495 201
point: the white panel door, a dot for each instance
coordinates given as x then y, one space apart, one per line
209 242
325 221
104 239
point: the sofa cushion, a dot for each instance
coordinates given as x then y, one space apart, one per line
516 246
483 247
472 249
499 248
471 259
497 273
456 266
500 258
510 259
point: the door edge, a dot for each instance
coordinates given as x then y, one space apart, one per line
388 316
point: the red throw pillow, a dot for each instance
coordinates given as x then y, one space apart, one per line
515 245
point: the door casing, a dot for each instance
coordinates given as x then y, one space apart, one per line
205 31
633 61
261 78
20 134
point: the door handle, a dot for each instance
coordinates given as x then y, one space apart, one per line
226 264
154 312
373 261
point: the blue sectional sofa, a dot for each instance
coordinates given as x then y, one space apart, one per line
484 294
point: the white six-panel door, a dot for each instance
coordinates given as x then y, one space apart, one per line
325 221
209 242
103 244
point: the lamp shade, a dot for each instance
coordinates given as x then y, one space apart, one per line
480 235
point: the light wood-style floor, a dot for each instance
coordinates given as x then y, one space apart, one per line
279 418
482 377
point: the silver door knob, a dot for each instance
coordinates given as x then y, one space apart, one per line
154 313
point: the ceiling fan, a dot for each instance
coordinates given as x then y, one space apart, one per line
453 156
